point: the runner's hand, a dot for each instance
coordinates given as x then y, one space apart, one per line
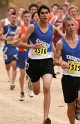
64 65
37 45
9 38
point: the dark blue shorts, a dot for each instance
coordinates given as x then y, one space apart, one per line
10 54
22 57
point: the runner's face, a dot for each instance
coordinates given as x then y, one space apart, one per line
44 15
73 13
21 11
70 27
36 18
65 8
10 11
55 9
13 19
33 9
26 18
60 13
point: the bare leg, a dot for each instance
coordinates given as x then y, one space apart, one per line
21 79
47 78
78 105
71 112
13 63
36 87
8 66
79 97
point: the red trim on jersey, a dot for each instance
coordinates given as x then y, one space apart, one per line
78 20
23 31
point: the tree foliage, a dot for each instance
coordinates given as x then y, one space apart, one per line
3 2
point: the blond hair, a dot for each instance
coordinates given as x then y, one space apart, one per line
68 18
72 7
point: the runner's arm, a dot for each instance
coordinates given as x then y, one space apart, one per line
52 20
26 36
16 38
57 53
2 32
77 26
18 22
59 30
53 47
2 23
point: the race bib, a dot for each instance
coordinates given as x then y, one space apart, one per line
42 51
74 67
9 42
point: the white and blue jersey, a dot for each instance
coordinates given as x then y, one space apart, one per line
6 23
45 39
9 50
72 56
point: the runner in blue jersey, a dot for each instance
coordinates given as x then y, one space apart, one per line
69 48
4 22
9 51
40 63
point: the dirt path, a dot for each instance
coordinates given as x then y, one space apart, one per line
30 111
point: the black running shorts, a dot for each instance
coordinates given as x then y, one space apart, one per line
37 68
70 87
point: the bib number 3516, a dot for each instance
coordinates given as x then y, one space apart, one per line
42 50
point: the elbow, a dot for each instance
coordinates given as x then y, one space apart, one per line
57 63
1 39
19 45
54 62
